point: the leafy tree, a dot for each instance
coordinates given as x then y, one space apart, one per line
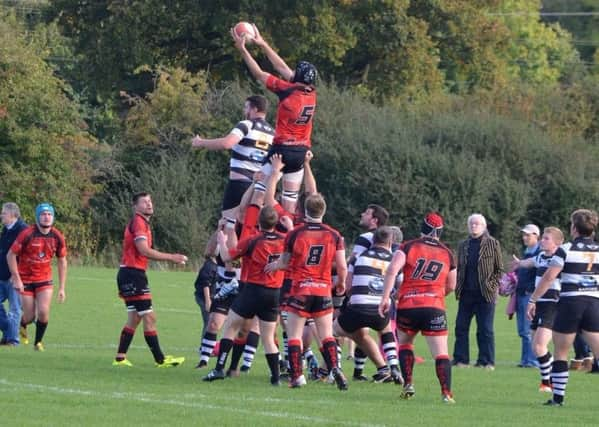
46 152
583 27
538 53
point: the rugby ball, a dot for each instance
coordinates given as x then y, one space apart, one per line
244 29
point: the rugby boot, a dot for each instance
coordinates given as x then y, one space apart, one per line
297 382
339 379
360 377
123 362
213 375
23 335
396 375
408 392
170 361
382 376
448 398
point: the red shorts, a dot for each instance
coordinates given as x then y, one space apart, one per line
309 305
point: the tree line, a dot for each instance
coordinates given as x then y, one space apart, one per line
458 106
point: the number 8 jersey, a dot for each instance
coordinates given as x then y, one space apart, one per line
428 262
312 247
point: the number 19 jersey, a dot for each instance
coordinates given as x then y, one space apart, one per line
428 262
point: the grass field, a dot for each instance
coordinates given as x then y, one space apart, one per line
73 382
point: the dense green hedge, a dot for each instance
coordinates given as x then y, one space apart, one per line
456 162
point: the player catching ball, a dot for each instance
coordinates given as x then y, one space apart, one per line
297 102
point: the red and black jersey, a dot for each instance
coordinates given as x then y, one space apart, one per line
138 228
297 104
257 251
35 251
428 262
312 247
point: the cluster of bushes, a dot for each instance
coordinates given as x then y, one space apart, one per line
516 153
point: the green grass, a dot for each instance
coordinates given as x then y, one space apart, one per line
73 382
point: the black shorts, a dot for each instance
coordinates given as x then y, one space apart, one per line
234 192
577 313
293 156
354 317
256 300
133 288
544 315
32 289
309 305
430 321
222 306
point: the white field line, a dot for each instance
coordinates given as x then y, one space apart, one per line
112 346
148 398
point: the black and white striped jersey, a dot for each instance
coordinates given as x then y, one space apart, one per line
249 154
368 271
580 273
542 262
362 243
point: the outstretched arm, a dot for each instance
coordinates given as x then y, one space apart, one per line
224 143
249 60
277 164
274 58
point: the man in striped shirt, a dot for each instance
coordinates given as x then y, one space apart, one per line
578 306
542 323
249 142
365 275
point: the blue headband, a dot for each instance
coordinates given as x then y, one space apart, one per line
43 207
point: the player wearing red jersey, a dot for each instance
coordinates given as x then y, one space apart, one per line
297 104
260 294
429 275
310 251
29 261
133 283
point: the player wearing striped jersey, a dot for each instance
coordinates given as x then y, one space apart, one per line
542 323
297 104
429 276
249 142
360 314
310 251
578 305
30 263
373 217
133 286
